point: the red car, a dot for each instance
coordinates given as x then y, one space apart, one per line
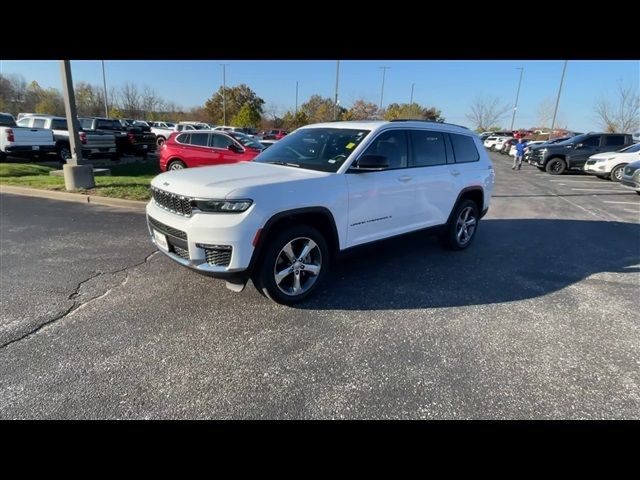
275 134
201 148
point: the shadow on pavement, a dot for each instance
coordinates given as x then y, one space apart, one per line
510 260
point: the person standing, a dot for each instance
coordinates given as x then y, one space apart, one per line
517 160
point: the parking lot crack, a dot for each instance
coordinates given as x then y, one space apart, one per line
76 296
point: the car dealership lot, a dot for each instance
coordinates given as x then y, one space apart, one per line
537 319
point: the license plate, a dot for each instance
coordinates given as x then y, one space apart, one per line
161 240
35 147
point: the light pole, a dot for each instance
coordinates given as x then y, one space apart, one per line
224 88
335 99
384 71
104 84
555 111
75 175
411 100
515 107
296 98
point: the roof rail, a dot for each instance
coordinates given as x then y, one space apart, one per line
426 121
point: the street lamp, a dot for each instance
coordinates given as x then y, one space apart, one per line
224 88
384 71
515 107
104 83
411 100
335 100
555 111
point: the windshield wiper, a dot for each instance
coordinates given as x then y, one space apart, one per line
288 164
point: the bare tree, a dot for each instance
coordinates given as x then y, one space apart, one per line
545 112
130 99
623 114
150 102
487 111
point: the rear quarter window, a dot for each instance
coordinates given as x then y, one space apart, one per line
184 138
464 148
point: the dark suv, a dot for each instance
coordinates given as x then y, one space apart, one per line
573 153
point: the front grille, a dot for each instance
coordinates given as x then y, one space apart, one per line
167 229
220 256
172 202
181 252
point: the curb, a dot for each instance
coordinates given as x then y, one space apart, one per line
74 197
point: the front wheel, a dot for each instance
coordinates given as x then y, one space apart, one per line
616 173
556 166
461 229
294 263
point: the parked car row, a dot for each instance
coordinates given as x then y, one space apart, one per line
605 155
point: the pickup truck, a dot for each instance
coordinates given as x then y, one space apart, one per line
131 140
162 134
573 153
25 142
93 144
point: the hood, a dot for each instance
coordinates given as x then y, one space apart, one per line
219 181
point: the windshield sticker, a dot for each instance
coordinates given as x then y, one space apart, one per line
350 145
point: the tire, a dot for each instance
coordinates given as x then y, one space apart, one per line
616 173
295 274
160 141
556 166
456 235
492 148
64 152
176 165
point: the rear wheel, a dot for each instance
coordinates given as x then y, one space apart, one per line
556 166
616 173
64 152
160 141
176 165
294 263
461 229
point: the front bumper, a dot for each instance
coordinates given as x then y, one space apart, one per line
236 231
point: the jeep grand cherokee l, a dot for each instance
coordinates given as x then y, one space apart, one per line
320 190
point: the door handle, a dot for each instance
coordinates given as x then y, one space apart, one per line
405 178
455 173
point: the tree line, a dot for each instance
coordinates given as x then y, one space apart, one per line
242 107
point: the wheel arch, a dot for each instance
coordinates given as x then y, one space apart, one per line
318 217
475 193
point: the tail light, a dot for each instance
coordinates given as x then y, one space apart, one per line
132 137
10 136
83 138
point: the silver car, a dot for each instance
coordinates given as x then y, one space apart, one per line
631 176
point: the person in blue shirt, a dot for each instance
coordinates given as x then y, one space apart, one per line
517 160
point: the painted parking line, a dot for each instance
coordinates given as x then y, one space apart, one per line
579 181
626 203
629 210
621 192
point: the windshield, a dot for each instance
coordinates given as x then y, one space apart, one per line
323 149
7 121
632 148
246 141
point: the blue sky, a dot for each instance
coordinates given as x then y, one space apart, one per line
449 85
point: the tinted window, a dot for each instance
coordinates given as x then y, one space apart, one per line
38 123
614 140
58 124
464 148
199 139
245 140
108 124
428 148
393 146
592 142
220 141
7 121
185 138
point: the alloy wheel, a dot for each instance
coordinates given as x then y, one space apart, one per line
297 266
466 225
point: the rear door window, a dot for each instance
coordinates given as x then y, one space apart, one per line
614 141
199 139
428 148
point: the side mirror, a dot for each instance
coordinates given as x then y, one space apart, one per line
234 148
372 162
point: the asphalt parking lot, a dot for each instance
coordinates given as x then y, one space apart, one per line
537 320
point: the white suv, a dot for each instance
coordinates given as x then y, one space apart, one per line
320 190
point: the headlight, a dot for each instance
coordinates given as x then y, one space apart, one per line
223 206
